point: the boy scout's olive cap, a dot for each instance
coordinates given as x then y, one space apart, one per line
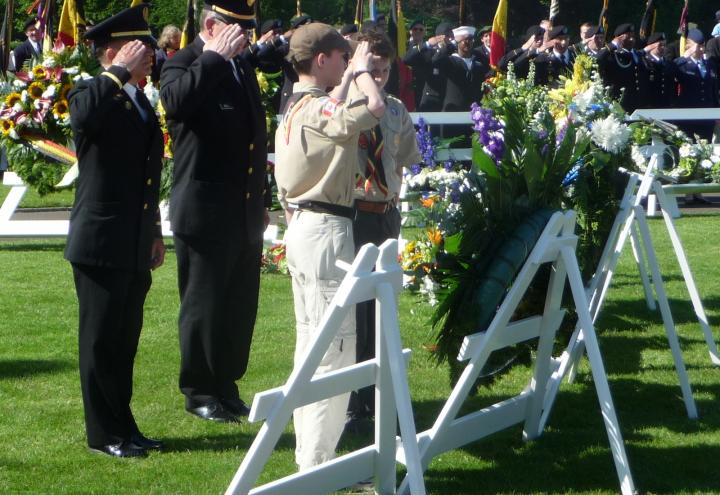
311 39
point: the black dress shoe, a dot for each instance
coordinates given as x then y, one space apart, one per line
214 411
236 406
125 448
146 443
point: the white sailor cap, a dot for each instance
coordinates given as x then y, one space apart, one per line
463 31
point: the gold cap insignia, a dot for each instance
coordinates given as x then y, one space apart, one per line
128 105
146 14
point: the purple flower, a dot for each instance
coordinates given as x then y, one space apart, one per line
415 168
448 165
560 137
489 131
425 143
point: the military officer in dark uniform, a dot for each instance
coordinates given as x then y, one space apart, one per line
697 84
115 238
594 41
419 58
661 77
558 60
521 57
217 205
623 69
291 76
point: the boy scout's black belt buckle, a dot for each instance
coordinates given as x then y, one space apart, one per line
373 206
328 208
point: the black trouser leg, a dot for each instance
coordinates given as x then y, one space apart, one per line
111 315
219 283
369 228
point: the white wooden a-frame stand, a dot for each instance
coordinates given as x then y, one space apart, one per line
556 245
631 222
386 371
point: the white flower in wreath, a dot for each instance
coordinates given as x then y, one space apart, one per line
714 158
706 164
19 84
687 150
14 135
17 107
71 70
49 62
610 134
50 91
24 96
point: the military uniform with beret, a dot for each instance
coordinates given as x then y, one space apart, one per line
521 57
429 79
625 72
114 224
217 210
697 87
549 66
316 147
661 77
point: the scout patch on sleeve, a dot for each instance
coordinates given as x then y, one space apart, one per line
328 109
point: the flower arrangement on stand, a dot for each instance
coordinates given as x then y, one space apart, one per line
35 117
274 260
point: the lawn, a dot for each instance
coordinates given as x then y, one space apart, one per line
41 426
31 199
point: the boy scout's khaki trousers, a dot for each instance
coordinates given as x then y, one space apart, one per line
314 242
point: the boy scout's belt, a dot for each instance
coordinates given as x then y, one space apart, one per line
328 208
373 206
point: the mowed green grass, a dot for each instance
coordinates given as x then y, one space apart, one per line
42 444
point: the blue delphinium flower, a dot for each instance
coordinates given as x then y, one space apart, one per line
573 174
448 165
425 143
489 131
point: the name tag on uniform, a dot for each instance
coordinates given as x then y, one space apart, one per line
225 106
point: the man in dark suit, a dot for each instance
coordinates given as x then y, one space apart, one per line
419 57
623 69
521 57
114 239
31 47
217 205
697 84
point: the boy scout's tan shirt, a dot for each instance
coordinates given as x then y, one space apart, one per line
400 150
316 147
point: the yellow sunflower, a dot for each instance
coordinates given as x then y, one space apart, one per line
60 109
39 73
6 125
35 90
12 99
64 90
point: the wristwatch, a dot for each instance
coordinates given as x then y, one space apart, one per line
359 73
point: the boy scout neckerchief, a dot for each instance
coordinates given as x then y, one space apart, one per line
373 142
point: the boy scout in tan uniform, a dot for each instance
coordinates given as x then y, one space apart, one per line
382 153
316 161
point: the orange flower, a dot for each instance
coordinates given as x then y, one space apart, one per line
429 202
434 236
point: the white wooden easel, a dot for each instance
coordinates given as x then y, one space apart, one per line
386 371
631 222
556 245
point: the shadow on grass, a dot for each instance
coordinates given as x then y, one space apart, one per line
46 246
635 315
220 443
18 368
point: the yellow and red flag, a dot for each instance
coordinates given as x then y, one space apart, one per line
683 28
71 22
402 35
498 36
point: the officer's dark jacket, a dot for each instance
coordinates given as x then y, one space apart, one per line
661 83
548 68
694 90
219 145
464 86
419 58
115 216
620 70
